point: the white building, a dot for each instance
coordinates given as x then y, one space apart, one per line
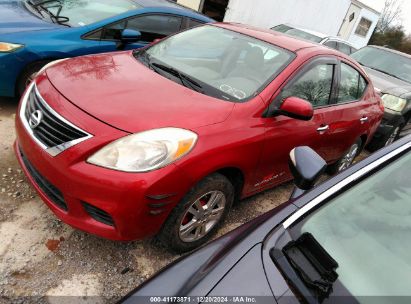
351 20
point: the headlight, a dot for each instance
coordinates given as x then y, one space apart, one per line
146 151
50 64
9 47
393 102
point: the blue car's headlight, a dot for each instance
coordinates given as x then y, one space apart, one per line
6 47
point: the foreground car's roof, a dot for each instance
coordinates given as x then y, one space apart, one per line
270 36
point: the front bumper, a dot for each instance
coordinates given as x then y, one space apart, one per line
390 120
111 204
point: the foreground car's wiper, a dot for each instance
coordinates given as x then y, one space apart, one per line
54 17
315 267
183 78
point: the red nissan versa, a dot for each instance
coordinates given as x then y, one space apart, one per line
163 140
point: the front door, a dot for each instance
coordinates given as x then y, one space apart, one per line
315 83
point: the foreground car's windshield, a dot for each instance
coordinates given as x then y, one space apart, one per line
367 231
218 62
83 12
297 33
385 61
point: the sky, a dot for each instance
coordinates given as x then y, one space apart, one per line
406 11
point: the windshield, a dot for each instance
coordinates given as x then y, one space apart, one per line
367 231
83 12
219 62
297 33
385 61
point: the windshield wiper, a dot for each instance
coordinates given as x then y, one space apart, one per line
315 267
56 18
185 80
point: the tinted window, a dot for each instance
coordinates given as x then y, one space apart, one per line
331 44
155 26
113 31
314 86
342 47
94 35
193 23
352 85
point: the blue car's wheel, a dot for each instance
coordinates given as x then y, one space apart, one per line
28 74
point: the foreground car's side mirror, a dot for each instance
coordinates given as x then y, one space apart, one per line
307 167
130 36
297 108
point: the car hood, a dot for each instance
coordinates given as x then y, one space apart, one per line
122 92
388 84
15 18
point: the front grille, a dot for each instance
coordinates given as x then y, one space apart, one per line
98 214
48 189
50 129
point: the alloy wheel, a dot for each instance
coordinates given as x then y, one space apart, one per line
202 216
393 136
348 159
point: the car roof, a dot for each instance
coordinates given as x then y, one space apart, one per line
172 5
390 50
282 40
318 34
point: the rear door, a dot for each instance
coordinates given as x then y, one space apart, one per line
349 115
315 83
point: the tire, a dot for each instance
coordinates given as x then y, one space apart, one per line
348 158
215 186
387 139
28 74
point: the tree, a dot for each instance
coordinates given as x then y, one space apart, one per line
390 15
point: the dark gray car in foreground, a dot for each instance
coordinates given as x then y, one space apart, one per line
346 241
390 72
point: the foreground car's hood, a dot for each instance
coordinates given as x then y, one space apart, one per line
388 84
120 91
14 18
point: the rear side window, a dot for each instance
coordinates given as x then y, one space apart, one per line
314 85
331 44
344 48
352 85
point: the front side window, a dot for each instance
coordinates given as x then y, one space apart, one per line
344 48
155 26
331 44
352 84
367 231
84 12
315 85
151 27
219 62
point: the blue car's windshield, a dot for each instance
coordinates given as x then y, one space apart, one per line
81 12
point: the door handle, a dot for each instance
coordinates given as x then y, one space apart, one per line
322 129
364 119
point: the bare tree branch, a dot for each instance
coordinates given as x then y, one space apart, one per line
390 15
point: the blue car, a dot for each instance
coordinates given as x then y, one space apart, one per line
35 32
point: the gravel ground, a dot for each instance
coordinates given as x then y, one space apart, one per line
43 259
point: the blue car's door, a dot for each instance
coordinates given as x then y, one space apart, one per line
152 26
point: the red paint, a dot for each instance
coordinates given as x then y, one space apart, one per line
112 95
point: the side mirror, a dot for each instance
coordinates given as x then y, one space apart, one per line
307 167
130 36
297 108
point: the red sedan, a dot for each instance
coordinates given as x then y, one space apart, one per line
163 140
